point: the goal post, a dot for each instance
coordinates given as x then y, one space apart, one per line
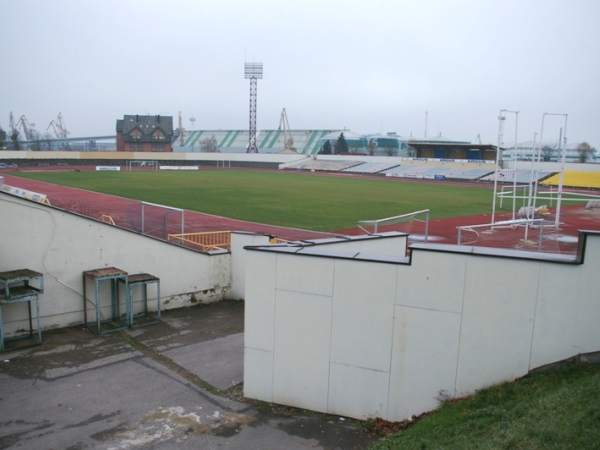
155 220
149 165
536 235
416 224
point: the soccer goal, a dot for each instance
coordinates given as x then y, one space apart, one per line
416 224
155 220
147 165
536 235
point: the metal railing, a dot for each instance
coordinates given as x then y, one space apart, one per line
208 241
107 219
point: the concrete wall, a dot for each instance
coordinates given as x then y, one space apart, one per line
158 156
61 246
365 338
238 260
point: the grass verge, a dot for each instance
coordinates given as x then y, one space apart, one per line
554 410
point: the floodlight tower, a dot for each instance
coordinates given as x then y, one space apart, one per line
253 71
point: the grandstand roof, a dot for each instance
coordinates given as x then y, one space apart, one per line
347 134
451 145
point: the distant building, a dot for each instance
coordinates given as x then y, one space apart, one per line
137 133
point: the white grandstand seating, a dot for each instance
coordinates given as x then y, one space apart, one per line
470 174
324 165
370 168
408 169
522 176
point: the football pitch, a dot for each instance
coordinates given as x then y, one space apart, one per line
299 200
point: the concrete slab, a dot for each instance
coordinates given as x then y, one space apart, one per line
219 362
139 389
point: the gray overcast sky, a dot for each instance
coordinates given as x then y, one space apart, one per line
369 66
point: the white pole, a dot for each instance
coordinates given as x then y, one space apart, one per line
500 123
530 193
539 155
562 175
515 165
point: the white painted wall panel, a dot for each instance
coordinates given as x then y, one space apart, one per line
424 359
259 318
497 322
460 322
395 246
61 246
302 342
434 280
258 374
567 314
238 261
358 392
363 314
313 275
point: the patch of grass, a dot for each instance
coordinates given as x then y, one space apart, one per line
308 201
554 410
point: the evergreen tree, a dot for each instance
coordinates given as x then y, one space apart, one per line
341 146
326 150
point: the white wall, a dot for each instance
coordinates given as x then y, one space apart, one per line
61 246
362 338
189 156
238 260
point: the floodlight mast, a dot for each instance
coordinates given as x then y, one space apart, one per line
253 71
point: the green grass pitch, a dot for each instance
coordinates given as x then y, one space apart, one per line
300 200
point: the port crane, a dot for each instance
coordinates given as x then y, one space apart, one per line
59 128
288 141
23 123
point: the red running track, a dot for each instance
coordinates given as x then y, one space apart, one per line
92 204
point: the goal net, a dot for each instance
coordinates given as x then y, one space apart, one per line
416 224
535 235
146 165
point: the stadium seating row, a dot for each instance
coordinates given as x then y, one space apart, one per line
370 168
575 178
445 170
324 165
522 176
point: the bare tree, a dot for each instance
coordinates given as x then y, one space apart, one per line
209 145
37 141
14 137
548 152
48 140
585 152
371 146
390 149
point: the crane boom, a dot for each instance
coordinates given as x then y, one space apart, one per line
288 141
27 129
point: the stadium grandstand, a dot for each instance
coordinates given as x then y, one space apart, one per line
236 141
522 176
576 179
310 142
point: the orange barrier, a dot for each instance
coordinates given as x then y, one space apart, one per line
212 240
